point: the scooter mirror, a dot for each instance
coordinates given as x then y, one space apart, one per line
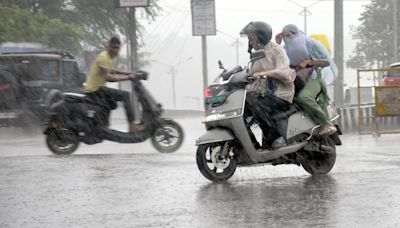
142 75
220 65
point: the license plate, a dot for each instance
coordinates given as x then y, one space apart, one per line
7 115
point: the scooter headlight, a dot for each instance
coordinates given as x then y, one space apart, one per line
222 115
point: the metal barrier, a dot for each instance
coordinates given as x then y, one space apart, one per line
383 116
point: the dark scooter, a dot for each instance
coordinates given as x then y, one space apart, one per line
76 118
229 141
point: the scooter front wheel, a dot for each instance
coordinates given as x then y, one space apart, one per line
213 164
62 141
168 137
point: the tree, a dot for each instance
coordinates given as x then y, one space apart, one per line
99 19
21 25
374 36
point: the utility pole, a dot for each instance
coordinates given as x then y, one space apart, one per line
172 71
132 50
236 43
203 24
338 50
133 57
204 60
128 47
305 12
395 31
133 40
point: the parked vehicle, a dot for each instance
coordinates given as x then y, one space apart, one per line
392 77
228 142
30 82
76 118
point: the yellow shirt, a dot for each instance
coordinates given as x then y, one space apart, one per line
94 80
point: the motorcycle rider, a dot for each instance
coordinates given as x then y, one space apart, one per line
272 90
102 71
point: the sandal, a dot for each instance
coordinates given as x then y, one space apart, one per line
328 130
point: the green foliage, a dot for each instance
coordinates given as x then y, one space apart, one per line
374 36
99 19
21 25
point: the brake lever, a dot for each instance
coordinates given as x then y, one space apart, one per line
249 77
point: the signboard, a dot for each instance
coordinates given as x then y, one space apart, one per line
387 100
131 3
203 17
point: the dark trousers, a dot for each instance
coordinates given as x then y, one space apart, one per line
107 97
264 109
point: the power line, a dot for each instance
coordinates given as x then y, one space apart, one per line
168 22
174 30
226 34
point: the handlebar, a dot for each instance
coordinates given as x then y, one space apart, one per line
249 77
141 75
321 63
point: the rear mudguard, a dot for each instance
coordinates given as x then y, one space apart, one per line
215 135
335 137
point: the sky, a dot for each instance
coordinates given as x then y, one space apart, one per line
170 42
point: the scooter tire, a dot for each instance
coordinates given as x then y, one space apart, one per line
212 174
316 163
62 141
167 124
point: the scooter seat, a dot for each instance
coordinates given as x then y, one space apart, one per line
287 113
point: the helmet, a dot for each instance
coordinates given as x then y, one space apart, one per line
261 30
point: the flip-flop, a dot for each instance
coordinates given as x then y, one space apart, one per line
328 130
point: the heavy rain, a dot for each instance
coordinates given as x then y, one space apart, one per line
200 113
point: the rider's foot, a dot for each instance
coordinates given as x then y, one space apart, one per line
278 143
329 130
135 127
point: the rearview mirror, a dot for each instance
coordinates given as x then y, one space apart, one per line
220 65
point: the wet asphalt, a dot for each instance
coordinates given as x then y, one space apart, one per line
132 185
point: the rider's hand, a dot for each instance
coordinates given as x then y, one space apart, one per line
278 38
261 74
305 63
131 76
258 75
321 63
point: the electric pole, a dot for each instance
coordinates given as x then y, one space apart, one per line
395 31
237 43
338 51
204 61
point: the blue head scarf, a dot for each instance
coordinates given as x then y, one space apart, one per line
296 45
300 47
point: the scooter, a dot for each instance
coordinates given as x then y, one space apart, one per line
229 141
76 118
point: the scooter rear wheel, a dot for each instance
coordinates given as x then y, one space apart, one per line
168 137
212 165
62 141
316 162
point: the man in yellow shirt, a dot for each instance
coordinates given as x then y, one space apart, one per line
102 71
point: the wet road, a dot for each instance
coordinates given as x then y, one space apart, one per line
131 185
